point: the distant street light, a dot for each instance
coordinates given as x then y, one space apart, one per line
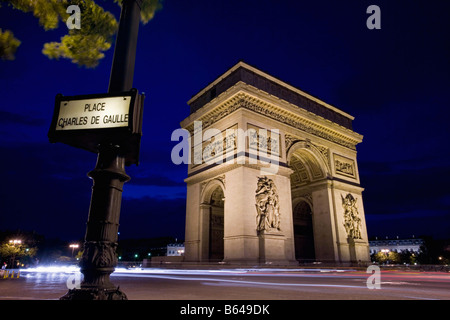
14 242
386 252
73 246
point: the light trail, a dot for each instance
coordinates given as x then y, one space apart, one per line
249 271
240 282
388 277
51 269
264 281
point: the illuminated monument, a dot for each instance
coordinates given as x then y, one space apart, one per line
273 175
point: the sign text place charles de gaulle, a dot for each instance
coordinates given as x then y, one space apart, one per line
88 121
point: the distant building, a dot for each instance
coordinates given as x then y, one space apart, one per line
176 249
396 245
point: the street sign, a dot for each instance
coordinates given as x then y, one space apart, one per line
87 121
94 113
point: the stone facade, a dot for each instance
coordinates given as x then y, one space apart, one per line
261 148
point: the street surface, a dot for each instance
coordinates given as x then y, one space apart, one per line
239 284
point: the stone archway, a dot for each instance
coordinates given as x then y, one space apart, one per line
216 225
309 171
326 195
311 152
211 221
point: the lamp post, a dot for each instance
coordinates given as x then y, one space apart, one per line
13 243
99 255
73 247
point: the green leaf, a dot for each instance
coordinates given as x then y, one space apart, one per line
8 45
85 46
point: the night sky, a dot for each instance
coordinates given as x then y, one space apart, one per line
395 82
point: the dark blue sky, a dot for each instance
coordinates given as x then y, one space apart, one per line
395 81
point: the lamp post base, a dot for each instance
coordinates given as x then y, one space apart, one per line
94 294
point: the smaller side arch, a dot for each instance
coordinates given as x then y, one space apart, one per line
208 189
212 220
297 199
304 243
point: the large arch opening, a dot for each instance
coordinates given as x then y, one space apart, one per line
303 231
308 167
216 225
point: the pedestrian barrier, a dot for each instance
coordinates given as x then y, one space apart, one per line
12 274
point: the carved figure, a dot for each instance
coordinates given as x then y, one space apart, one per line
267 205
352 221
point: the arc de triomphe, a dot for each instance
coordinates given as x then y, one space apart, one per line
273 175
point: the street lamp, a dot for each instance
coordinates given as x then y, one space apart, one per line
73 246
14 242
386 252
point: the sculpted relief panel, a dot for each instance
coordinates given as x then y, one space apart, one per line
352 220
344 166
213 148
260 139
267 205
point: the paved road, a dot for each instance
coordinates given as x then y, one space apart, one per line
241 284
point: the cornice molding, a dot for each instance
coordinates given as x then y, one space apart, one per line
243 96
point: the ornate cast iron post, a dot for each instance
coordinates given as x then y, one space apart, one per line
99 256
